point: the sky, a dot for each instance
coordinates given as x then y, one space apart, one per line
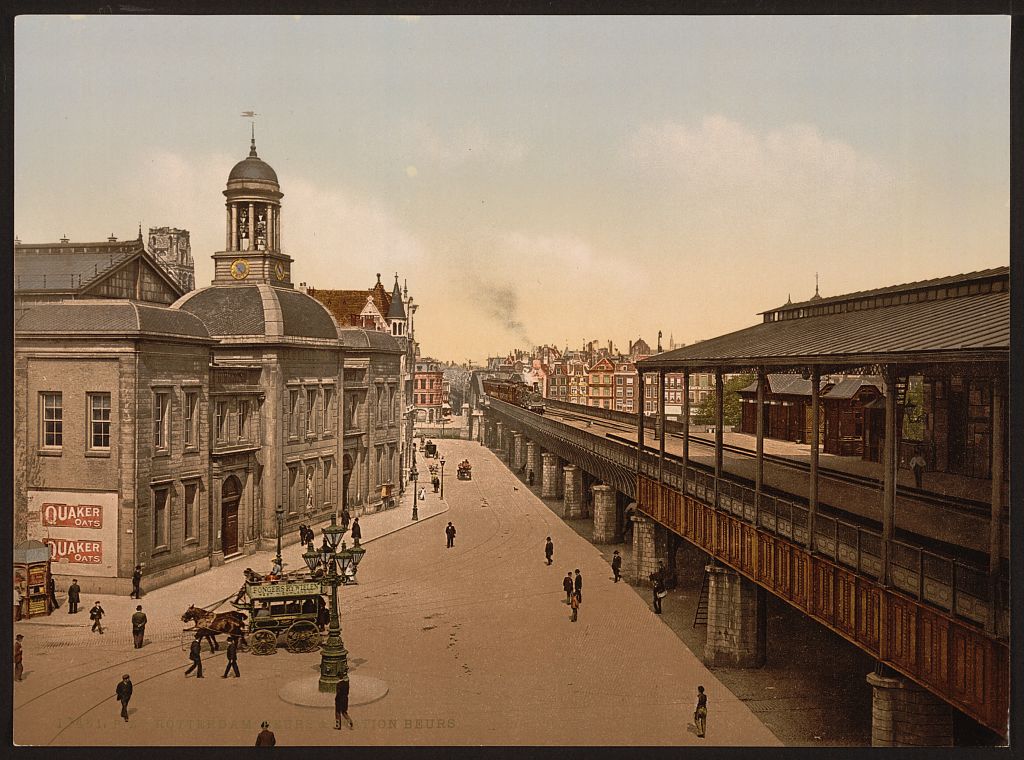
536 180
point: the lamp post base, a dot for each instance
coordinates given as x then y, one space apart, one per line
306 692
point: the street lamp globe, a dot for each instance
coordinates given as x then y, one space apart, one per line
357 553
333 533
311 557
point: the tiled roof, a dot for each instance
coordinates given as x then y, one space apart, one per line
114 317
782 384
71 267
346 305
358 338
849 386
231 310
304 316
978 323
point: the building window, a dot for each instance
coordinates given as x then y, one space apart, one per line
328 484
293 488
293 410
161 437
99 421
220 421
160 498
190 432
327 413
243 420
311 410
191 498
53 420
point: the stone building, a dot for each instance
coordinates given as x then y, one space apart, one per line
428 392
168 436
171 247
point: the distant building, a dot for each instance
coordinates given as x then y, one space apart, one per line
170 246
626 385
601 383
428 390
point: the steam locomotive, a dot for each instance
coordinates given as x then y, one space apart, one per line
516 392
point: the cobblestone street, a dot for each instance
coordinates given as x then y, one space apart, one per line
474 642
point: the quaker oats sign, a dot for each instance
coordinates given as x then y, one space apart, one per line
79 527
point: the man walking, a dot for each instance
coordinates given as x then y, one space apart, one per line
549 549
51 591
123 695
341 703
449 531
96 615
266 737
74 596
19 666
137 583
567 586
616 565
232 657
574 602
357 532
138 626
659 592
193 655
700 714
435 482
578 584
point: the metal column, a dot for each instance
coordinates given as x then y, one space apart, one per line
812 506
888 471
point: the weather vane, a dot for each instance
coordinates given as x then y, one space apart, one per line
251 115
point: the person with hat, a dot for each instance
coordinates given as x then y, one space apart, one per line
357 532
193 655
578 584
138 626
616 564
51 592
74 596
124 694
232 657
96 615
567 586
341 703
19 666
449 531
266 737
137 583
549 549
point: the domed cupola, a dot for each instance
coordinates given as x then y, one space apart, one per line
252 244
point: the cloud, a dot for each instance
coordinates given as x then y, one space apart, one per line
469 144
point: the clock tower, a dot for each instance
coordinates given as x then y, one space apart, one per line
252 243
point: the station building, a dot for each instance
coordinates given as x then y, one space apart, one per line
175 430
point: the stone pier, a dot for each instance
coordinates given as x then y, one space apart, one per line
905 715
606 529
518 451
531 461
499 435
736 620
551 482
573 503
650 546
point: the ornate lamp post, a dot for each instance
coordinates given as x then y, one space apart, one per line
413 475
442 477
338 568
279 511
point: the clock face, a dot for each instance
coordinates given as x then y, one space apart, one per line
279 271
239 269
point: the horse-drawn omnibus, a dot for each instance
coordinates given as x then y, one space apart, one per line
293 608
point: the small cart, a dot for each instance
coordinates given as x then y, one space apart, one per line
464 470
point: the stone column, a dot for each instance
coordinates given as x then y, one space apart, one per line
531 455
517 451
650 546
252 226
736 620
234 227
605 527
573 504
499 435
551 481
905 715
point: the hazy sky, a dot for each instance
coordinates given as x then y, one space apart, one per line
537 179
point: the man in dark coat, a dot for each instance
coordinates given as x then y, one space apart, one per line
123 695
266 737
138 626
96 615
549 549
529 478
578 584
435 482
567 586
357 532
74 596
341 703
449 531
302 534
193 655
232 658
659 592
346 518
137 582
616 564
51 591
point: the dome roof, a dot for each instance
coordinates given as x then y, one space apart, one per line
109 317
253 167
259 310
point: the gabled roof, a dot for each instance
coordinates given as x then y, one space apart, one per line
74 268
347 306
850 386
782 384
604 363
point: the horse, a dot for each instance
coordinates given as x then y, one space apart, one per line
208 624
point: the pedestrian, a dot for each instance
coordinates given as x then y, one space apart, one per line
578 584
423 493
302 534
137 582
341 703
549 549
17 602
436 482
138 626
700 714
529 478
74 596
276 569
918 465
357 532
193 655
616 564
574 602
96 616
659 593
51 591
266 737
567 586
232 657
449 531
19 666
123 694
